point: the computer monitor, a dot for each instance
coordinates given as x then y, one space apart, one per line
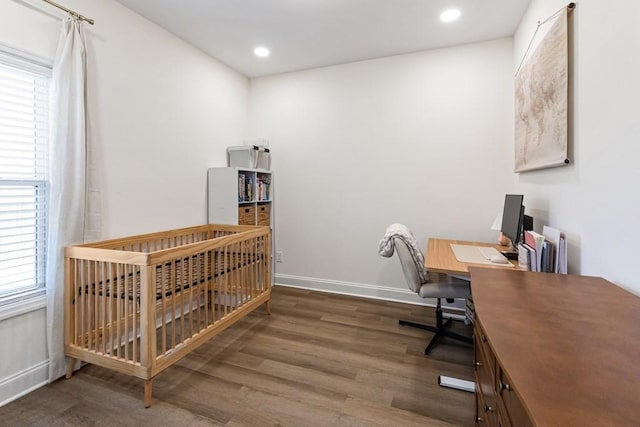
512 216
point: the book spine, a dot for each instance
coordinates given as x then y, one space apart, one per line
524 260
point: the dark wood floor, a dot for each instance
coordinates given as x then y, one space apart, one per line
318 360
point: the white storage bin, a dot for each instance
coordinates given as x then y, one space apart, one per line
242 156
264 159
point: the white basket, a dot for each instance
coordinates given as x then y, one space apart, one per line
243 156
264 159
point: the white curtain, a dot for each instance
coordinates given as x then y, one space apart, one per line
67 210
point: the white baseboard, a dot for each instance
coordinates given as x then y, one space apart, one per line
23 382
361 290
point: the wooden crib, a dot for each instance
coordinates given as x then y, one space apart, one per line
138 304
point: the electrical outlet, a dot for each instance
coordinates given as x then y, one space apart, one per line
278 256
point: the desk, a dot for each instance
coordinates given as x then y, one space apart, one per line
440 257
555 350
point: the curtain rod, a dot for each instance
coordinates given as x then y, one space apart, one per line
69 11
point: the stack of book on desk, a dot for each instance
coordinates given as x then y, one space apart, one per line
546 252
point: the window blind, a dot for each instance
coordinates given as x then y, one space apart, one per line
24 173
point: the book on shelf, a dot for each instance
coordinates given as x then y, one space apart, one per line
532 257
535 241
524 256
249 190
264 184
546 252
241 187
558 241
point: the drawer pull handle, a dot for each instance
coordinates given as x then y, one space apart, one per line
479 419
484 338
478 363
488 408
505 386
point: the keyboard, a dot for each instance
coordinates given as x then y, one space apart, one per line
489 252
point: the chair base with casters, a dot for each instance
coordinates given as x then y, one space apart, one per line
399 239
439 330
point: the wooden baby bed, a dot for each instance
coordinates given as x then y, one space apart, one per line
138 304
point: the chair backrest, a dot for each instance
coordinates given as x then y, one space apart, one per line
411 274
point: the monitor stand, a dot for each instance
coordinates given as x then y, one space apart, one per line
510 255
510 252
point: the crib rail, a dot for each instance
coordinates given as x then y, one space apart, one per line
146 243
138 304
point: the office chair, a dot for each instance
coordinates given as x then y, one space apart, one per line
432 285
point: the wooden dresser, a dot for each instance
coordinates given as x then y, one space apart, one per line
555 350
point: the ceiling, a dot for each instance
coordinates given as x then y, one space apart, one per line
303 34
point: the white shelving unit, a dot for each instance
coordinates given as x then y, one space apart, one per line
229 201
240 196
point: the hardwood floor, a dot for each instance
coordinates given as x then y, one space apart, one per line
318 360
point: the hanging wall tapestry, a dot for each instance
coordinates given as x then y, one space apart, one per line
541 92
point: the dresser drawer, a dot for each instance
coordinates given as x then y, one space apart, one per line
486 408
484 418
512 405
481 340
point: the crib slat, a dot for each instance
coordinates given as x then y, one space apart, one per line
124 302
251 269
190 297
241 269
205 286
263 265
198 286
215 283
95 328
119 272
259 264
238 278
87 306
182 280
255 265
76 306
163 294
255 248
243 265
226 272
81 301
135 302
109 303
147 317
174 280
268 275
246 272
102 314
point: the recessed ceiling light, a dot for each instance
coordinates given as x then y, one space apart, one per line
450 15
261 52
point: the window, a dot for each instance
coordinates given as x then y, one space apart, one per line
24 174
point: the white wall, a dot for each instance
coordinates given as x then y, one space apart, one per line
160 113
423 139
595 200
